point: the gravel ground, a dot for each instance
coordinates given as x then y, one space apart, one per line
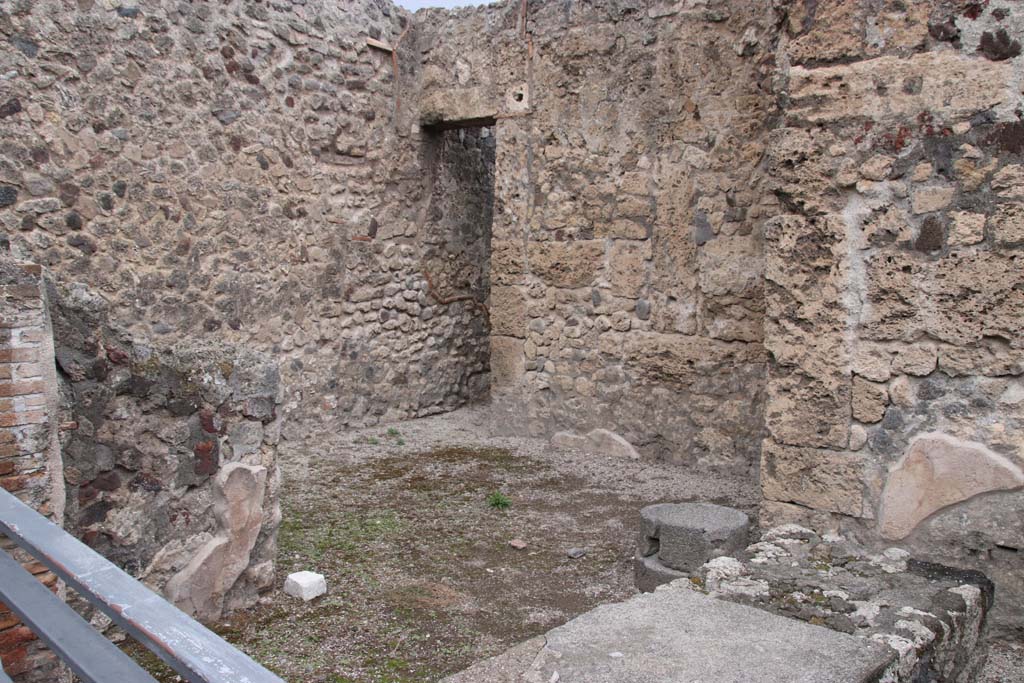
1005 663
422 579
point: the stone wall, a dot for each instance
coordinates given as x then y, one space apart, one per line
30 465
894 282
171 458
627 235
709 223
239 172
163 460
455 262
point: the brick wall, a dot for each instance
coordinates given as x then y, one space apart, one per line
29 457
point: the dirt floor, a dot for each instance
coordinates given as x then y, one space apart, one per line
1005 663
422 579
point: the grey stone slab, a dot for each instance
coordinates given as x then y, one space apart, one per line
508 667
676 635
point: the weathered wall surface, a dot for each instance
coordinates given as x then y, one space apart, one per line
627 235
30 464
894 282
712 221
162 460
171 464
241 172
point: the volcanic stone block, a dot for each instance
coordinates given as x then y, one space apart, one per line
627 270
816 478
566 264
508 364
953 86
649 573
686 535
508 312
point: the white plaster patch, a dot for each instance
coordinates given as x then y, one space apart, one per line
922 634
743 586
904 648
1013 395
868 611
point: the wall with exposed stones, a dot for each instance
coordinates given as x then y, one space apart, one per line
257 175
666 171
894 285
163 460
170 458
456 262
243 172
627 234
779 236
201 179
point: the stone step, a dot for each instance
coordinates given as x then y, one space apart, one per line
677 635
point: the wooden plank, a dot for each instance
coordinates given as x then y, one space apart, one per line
91 656
379 44
196 653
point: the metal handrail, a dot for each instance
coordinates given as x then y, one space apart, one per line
86 652
196 653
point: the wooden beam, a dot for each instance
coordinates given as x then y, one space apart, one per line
379 45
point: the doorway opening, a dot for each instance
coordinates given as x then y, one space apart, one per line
456 259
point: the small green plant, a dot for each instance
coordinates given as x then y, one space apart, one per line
401 442
499 501
392 432
372 440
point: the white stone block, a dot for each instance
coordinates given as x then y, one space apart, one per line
305 585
